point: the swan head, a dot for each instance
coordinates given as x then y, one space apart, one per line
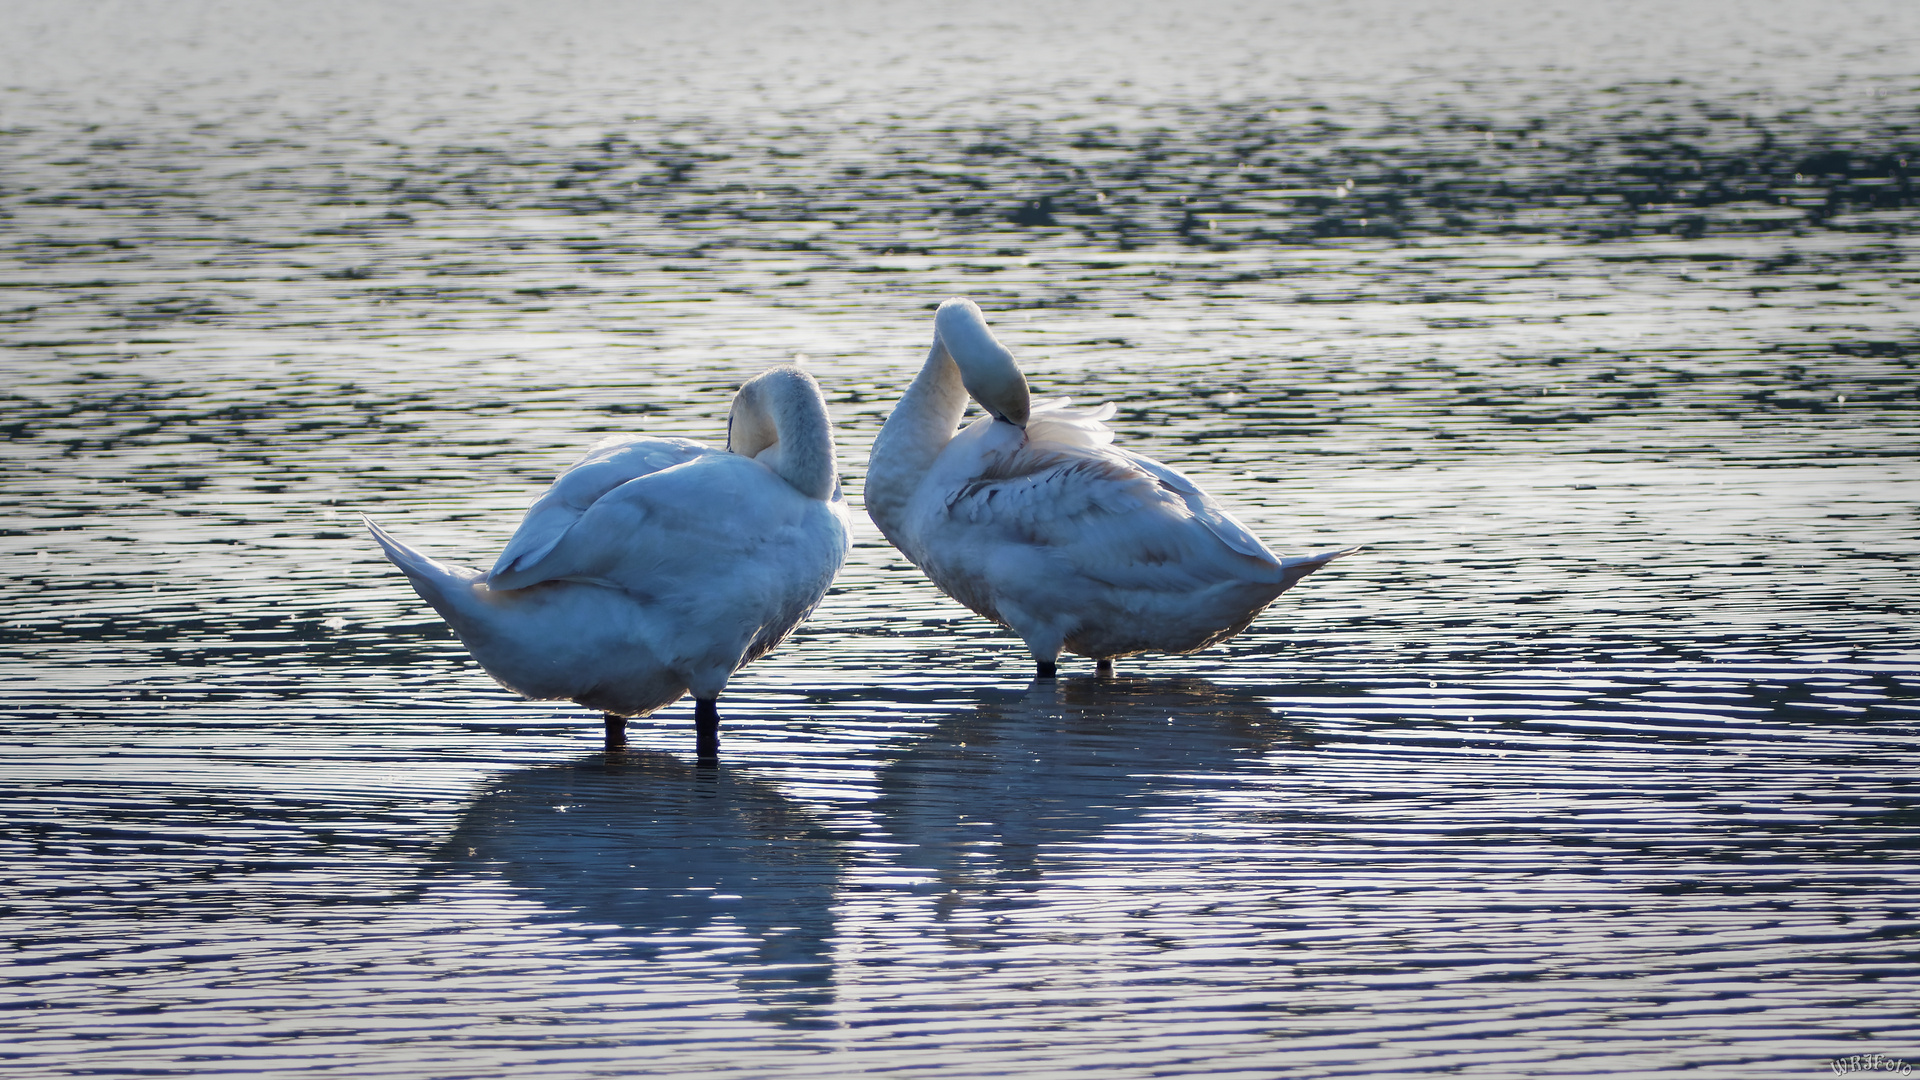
986 367
779 418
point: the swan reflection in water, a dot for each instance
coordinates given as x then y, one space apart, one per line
668 858
980 800
679 862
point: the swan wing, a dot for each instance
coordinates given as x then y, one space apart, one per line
1113 517
718 526
575 492
1059 426
1204 510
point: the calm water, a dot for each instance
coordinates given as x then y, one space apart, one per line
1596 327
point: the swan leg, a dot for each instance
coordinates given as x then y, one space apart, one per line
616 732
1103 666
1044 669
706 731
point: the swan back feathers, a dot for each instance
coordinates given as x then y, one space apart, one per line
1057 421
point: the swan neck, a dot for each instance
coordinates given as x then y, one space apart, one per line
920 426
780 419
987 369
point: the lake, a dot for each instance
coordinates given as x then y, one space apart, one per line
1595 326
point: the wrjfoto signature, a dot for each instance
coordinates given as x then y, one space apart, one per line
1858 1063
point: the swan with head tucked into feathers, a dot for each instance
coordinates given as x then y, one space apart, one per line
655 567
1031 517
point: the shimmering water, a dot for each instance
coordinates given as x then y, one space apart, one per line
1595 325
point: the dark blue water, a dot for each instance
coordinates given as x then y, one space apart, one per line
1595 326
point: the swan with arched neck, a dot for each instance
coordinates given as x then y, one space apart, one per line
654 568
1031 516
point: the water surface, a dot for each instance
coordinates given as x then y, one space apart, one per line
1597 330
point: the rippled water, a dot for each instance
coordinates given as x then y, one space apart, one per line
1595 326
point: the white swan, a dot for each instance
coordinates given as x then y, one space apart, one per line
657 567
1031 518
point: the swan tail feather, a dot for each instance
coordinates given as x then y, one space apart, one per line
439 584
1299 566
